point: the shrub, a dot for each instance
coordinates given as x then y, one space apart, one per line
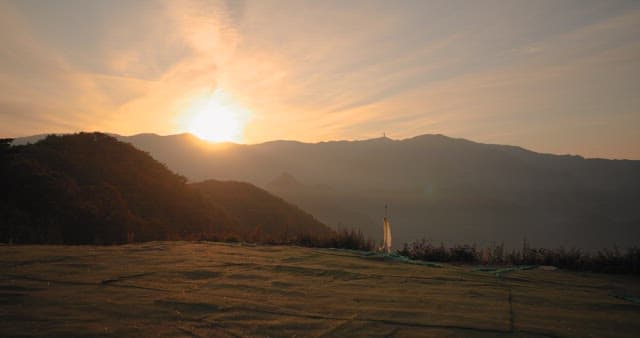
426 251
343 239
606 260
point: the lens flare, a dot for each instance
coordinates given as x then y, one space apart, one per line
216 118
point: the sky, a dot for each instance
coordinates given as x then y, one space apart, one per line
551 76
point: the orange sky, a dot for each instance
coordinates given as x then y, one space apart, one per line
560 77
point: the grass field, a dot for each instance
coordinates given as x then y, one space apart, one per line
216 289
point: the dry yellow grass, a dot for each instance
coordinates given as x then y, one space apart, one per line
215 289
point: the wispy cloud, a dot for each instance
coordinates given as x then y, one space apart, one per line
552 76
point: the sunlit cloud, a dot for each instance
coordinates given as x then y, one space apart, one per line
556 77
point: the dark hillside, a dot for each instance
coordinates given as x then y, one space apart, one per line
91 188
261 213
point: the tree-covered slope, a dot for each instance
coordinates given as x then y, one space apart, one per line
260 213
92 188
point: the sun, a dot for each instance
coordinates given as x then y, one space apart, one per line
216 118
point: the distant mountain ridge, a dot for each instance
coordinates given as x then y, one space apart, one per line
446 189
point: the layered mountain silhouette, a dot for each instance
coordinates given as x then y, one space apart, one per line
442 188
92 188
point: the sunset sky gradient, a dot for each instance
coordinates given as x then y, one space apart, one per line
551 76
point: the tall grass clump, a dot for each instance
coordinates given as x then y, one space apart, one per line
426 251
342 239
605 260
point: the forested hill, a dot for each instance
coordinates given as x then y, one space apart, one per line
261 214
92 188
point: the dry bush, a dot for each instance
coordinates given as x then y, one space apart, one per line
606 260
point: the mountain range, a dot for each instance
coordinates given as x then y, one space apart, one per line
444 189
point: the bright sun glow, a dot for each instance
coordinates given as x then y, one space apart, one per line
216 118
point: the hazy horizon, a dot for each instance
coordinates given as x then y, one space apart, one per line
556 77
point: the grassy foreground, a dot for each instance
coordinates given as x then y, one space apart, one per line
216 289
